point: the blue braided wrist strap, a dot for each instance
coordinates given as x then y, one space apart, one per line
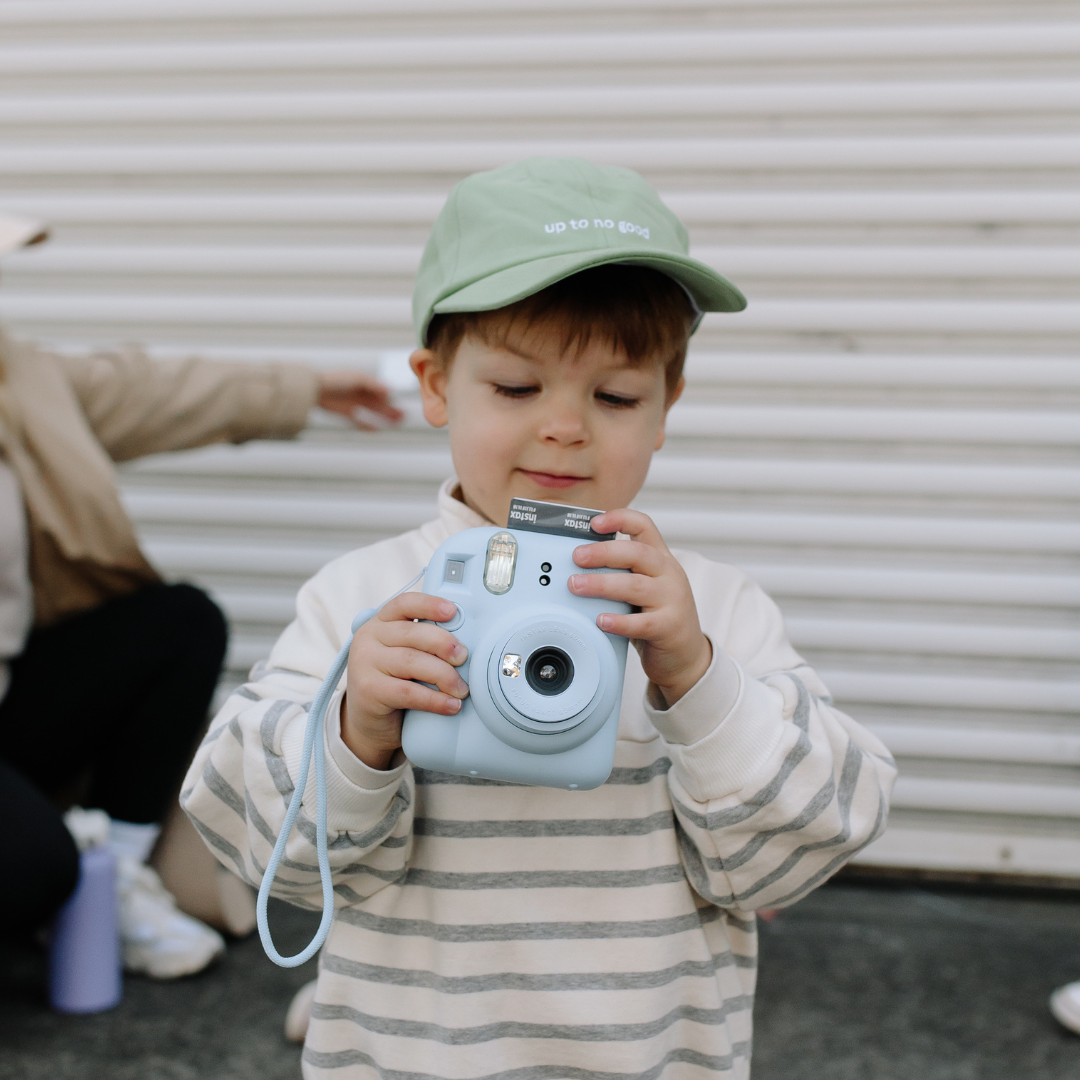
314 744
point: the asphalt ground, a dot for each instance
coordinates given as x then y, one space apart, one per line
857 982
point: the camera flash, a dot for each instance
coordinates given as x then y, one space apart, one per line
511 665
499 568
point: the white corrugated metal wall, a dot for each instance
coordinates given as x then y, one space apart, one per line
887 437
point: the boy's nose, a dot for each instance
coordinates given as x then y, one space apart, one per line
564 425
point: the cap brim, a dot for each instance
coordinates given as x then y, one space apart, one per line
19 232
711 291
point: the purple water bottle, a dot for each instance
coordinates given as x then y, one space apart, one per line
84 954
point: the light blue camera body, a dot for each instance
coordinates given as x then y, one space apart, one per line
545 683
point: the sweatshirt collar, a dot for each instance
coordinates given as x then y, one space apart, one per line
454 515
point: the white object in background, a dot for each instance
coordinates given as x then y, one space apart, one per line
158 939
1064 1004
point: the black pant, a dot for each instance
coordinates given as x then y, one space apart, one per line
110 700
40 860
115 696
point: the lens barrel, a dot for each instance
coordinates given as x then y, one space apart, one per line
549 671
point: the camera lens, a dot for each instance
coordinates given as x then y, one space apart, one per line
549 671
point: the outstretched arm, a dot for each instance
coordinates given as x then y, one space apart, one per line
138 406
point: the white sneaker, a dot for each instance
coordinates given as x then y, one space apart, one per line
1065 1005
298 1017
158 939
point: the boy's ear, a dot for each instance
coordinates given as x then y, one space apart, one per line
672 398
432 377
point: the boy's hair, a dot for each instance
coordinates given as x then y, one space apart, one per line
638 311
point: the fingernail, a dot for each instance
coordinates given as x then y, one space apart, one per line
576 581
459 654
454 706
603 621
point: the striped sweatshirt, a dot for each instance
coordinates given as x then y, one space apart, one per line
492 930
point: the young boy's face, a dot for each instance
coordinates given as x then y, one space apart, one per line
528 421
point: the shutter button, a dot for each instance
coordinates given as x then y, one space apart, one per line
455 620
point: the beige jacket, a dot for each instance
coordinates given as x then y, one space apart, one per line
64 420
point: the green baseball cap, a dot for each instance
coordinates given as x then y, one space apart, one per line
508 233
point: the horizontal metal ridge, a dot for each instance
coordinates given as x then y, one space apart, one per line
872 424
917 585
263 309
979 744
953 691
295 559
985 797
268 459
816 261
130 13
649 46
933 638
869 530
924 371
375 207
974 317
852 688
313 512
219 260
848 530
779 154
997 205
863 97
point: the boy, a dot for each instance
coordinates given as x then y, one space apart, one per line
487 929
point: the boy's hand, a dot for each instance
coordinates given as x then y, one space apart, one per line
390 658
666 632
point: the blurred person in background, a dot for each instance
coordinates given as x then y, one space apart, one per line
140 658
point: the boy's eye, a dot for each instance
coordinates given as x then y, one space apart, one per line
616 401
506 390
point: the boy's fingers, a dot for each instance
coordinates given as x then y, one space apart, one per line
633 589
414 605
641 626
402 694
633 523
423 667
425 637
622 555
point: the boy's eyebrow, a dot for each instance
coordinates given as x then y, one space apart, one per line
506 347
532 358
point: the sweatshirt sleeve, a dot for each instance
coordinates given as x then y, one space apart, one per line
774 789
243 776
138 406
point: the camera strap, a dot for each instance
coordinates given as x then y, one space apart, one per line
314 746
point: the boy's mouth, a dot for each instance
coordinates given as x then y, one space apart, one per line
552 480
